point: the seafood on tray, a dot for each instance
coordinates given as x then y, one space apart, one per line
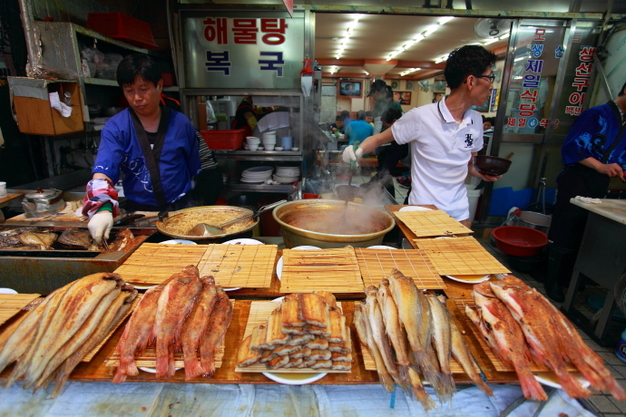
411 337
43 238
49 341
306 330
521 325
185 313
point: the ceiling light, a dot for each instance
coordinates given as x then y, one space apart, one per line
430 30
418 38
410 71
441 59
445 20
490 41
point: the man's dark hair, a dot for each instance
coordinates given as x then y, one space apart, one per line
360 115
391 114
345 113
140 65
339 118
467 60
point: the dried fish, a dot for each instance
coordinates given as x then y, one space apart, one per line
195 326
174 305
75 237
464 358
441 339
218 326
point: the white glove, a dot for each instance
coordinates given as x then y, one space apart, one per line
350 155
100 225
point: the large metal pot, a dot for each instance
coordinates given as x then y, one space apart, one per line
324 223
533 220
235 211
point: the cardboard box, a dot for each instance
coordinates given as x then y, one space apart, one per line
31 101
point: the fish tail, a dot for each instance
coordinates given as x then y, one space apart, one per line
404 381
18 372
170 360
208 364
419 391
386 381
192 367
531 387
162 358
571 385
615 389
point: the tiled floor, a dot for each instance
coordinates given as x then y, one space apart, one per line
602 404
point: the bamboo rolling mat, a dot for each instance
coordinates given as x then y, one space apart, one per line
89 356
148 356
247 266
153 263
259 313
11 304
334 270
376 264
498 364
460 256
430 223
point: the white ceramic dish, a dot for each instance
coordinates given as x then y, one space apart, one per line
281 263
414 208
470 279
295 149
143 287
380 247
243 241
550 379
294 379
255 181
7 291
259 169
178 242
151 370
278 148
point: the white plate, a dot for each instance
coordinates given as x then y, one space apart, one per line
255 181
259 169
142 287
550 379
380 247
414 208
243 241
281 263
294 379
151 370
178 242
470 279
7 291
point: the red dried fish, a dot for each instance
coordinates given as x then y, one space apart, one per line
218 326
174 305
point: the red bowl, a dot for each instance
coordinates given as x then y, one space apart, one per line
519 241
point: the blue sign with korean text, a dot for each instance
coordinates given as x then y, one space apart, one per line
255 51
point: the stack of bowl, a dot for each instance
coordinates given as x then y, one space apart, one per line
253 142
257 174
287 175
269 140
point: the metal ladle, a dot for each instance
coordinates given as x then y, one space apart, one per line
207 230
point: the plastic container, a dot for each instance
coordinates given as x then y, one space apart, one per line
224 139
122 27
620 350
287 142
519 241
533 220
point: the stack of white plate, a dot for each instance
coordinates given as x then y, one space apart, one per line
287 175
257 174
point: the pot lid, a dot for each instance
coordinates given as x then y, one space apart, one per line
42 193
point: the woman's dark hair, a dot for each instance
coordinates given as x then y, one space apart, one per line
391 114
467 60
140 65
621 92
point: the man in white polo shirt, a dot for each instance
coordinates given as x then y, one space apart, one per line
445 135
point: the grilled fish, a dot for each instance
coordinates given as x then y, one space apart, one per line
77 340
138 333
175 303
442 341
414 314
76 306
195 326
218 326
464 358
118 309
377 330
75 237
43 240
505 336
363 329
531 313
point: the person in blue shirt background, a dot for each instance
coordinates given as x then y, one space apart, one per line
359 129
593 152
156 149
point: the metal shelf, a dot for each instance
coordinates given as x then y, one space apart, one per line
270 156
260 188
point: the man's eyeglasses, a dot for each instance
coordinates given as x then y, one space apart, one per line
490 77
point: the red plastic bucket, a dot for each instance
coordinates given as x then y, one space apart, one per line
309 196
519 241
